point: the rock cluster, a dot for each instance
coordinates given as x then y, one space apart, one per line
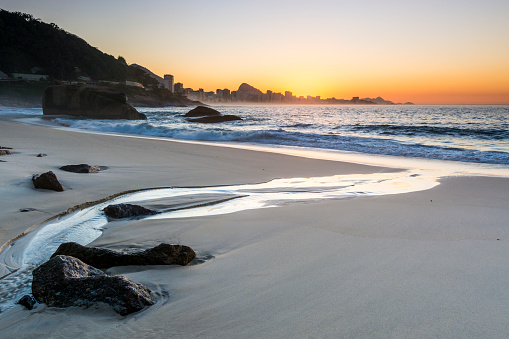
47 181
88 102
120 211
163 254
65 281
5 152
81 168
209 115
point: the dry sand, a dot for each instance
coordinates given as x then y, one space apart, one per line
421 264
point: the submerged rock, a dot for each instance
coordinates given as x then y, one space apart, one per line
65 281
163 254
40 155
47 181
202 111
81 168
120 211
28 301
88 102
216 119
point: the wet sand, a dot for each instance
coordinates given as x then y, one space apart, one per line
421 264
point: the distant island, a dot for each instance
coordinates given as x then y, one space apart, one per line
35 55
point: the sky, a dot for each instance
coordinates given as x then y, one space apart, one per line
426 52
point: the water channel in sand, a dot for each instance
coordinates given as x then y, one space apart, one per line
84 226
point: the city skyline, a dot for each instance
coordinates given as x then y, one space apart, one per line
426 53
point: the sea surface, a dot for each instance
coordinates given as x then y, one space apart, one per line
476 134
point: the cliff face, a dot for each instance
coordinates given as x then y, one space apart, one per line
88 102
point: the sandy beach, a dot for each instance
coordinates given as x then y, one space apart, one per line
431 263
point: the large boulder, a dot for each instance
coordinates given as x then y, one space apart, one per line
66 281
5 152
208 115
48 181
120 211
163 254
88 102
202 111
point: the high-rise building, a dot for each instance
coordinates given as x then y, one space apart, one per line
168 82
178 88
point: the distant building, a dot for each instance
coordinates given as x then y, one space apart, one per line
178 88
355 100
168 82
289 96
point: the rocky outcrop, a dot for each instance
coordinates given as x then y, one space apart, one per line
66 281
202 111
216 119
5 152
47 181
81 168
209 116
88 102
120 211
163 254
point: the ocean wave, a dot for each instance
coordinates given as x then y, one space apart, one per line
430 131
282 137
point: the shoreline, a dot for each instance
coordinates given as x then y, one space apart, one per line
358 267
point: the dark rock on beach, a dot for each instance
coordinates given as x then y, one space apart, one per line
81 168
28 301
163 254
47 181
216 119
5 152
88 102
202 111
66 281
120 211
209 115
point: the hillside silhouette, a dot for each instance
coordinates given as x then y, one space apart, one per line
28 45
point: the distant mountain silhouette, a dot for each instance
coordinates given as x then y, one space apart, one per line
149 72
246 88
379 101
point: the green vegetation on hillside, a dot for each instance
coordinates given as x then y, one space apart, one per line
28 45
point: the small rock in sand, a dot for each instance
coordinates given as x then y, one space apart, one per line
28 301
47 181
163 254
120 211
81 168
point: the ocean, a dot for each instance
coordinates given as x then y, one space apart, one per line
474 134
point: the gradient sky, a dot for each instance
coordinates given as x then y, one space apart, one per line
427 52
